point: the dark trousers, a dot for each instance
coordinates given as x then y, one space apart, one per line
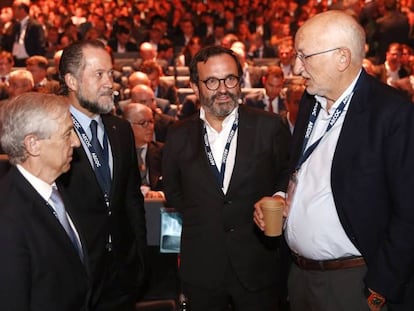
339 290
231 293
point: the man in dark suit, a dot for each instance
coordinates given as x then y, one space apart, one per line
26 37
350 221
103 183
271 100
224 259
122 43
43 262
393 26
149 152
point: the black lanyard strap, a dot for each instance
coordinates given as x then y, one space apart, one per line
311 124
220 174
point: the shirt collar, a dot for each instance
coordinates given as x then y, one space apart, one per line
84 120
227 120
42 187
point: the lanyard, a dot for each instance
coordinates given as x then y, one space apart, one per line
100 162
311 124
220 174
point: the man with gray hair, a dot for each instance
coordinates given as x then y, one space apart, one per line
20 81
42 264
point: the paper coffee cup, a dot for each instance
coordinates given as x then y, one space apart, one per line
273 217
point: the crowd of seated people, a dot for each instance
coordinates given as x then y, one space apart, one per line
153 42
169 32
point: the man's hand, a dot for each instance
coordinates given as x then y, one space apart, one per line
258 215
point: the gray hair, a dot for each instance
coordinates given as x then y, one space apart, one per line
29 114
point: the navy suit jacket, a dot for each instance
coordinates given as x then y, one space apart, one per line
372 183
40 269
218 227
121 271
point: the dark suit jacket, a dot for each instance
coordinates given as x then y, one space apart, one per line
161 126
34 39
39 267
167 91
256 100
219 227
129 47
372 183
154 164
117 274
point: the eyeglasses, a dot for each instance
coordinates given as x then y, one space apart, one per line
303 57
213 84
143 123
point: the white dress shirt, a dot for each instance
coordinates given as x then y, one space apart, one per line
218 142
45 191
85 122
313 229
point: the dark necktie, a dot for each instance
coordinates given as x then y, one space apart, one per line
142 166
60 213
270 106
18 28
103 170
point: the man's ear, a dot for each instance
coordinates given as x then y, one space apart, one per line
344 59
32 145
71 82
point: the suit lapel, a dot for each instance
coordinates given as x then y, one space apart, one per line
354 120
111 131
41 212
245 146
196 140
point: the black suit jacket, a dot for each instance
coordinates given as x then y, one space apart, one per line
167 91
34 39
39 266
154 164
218 227
372 183
117 274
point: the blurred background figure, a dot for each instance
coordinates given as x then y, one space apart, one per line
270 100
293 96
6 65
20 81
144 94
38 66
149 152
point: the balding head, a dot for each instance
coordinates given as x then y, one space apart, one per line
147 51
334 29
143 94
138 77
330 49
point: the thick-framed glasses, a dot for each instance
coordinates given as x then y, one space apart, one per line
303 57
230 82
143 123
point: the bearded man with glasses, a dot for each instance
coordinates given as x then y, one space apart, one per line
216 165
